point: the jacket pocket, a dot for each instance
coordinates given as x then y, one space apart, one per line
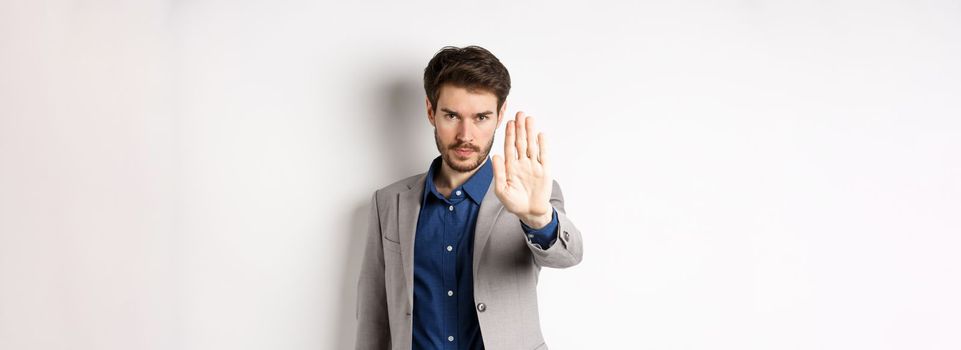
391 246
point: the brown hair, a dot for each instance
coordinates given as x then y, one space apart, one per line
471 67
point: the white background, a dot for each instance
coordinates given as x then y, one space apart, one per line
746 174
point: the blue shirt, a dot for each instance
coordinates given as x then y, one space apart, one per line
444 316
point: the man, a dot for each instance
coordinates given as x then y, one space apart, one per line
446 264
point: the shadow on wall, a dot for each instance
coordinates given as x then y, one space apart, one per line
402 119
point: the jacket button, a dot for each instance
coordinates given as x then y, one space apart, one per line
567 236
481 307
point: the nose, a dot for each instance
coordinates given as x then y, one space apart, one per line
464 133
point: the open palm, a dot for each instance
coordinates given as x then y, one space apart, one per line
522 178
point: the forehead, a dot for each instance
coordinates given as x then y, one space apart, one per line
460 98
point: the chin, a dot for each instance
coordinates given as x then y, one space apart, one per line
460 164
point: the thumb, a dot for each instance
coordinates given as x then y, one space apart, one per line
500 172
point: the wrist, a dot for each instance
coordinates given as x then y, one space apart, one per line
538 222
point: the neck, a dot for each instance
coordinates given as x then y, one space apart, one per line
448 178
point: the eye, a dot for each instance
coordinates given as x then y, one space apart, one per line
483 117
451 116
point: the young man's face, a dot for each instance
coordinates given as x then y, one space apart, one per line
464 124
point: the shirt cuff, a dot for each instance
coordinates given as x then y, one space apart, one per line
546 236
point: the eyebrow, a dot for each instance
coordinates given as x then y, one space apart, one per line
445 109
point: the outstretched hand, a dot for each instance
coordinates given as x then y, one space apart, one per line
522 178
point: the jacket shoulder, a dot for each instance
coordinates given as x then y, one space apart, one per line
398 186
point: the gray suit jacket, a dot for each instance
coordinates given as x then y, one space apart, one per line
506 266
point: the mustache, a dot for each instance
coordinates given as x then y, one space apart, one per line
462 145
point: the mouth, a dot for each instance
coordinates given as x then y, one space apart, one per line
464 152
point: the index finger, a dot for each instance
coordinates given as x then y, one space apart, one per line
521 135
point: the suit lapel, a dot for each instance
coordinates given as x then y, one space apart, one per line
408 211
490 209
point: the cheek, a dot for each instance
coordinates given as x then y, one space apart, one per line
445 135
446 126
488 132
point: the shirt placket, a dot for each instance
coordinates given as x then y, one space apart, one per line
449 278
451 227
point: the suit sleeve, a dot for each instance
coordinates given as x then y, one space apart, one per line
373 329
543 237
567 250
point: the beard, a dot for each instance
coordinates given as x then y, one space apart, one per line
458 164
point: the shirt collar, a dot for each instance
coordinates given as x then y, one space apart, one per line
476 186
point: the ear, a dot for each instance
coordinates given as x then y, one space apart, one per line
500 113
430 111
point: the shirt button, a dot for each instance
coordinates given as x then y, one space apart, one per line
450 338
449 248
481 307
451 208
458 193
450 293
